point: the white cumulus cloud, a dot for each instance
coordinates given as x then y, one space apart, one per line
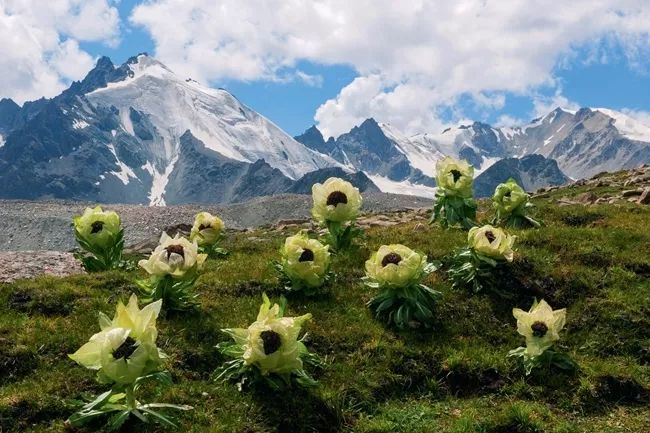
414 58
40 49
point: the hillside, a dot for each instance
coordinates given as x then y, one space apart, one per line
592 257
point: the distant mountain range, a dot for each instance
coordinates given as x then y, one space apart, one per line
138 133
569 144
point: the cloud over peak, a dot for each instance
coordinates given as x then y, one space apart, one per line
413 58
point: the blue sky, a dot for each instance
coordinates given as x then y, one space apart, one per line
417 65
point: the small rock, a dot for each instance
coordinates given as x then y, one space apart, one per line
419 227
631 192
586 198
645 197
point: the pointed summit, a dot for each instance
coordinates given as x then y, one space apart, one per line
314 139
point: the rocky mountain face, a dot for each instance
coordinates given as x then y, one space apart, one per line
531 172
138 133
582 143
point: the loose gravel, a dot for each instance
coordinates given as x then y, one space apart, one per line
46 225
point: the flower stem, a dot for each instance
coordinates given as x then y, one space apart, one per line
130 397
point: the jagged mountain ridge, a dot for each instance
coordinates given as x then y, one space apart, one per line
583 143
531 172
116 136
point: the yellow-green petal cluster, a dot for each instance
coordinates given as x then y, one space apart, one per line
395 266
125 348
336 200
454 177
207 229
271 343
305 261
540 325
491 242
175 257
97 227
508 198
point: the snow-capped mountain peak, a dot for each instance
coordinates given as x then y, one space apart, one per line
128 132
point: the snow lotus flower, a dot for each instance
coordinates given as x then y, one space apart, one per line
511 203
305 262
398 272
175 257
455 177
395 266
453 203
491 242
269 349
125 349
508 197
207 229
99 233
336 200
124 353
473 267
540 325
98 227
173 268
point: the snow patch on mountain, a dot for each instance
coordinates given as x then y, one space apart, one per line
404 187
419 154
80 124
125 171
159 184
628 126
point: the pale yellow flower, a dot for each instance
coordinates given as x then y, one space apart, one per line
541 326
271 342
336 200
173 256
305 260
207 229
455 177
395 266
492 242
97 227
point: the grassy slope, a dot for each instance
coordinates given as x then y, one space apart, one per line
595 262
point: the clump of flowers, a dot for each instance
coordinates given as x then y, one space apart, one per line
397 271
336 206
511 204
124 354
541 326
453 202
473 267
269 350
207 232
304 264
100 234
173 269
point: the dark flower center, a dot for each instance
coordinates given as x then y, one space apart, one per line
393 258
203 227
456 174
306 256
539 329
490 236
178 249
336 197
272 341
97 227
507 194
126 349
